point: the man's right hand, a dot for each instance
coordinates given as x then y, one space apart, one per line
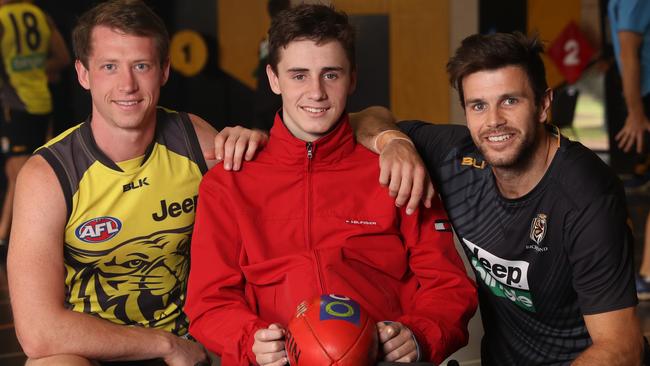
404 173
269 346
186 353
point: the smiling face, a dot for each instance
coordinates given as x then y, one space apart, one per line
502 116
314 81
124 76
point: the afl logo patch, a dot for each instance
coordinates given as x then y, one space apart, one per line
98 229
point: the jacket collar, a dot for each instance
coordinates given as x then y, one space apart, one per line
334 146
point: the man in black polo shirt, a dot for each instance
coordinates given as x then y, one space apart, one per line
542 219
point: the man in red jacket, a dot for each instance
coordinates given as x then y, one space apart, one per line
308 217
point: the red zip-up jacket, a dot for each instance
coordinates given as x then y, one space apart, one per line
305 219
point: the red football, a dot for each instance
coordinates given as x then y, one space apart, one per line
331 330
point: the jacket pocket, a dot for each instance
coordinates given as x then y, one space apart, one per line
261 289
388 262
374 278
277 286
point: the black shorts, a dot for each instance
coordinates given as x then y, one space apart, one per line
22 133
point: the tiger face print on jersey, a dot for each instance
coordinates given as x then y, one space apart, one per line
125 281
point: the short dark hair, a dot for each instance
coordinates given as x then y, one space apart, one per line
315 22
274 7
481 52
132 17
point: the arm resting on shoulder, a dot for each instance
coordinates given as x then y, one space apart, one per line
232 145
401 168
36 277
370 122
617 339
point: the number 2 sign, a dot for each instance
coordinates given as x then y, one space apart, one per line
571 52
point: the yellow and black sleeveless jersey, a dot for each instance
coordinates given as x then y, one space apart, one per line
127 238
24 47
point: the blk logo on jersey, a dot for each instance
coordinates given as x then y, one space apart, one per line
98 229
134 185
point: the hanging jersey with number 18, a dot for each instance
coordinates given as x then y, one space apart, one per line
24 46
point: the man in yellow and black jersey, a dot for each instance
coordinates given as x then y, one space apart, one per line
31 49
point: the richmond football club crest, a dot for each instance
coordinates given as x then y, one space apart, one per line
538 228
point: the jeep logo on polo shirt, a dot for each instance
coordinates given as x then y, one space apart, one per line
504 278
175 209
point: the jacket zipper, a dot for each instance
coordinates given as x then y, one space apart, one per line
310 155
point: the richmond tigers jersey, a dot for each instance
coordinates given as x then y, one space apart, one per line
127 238
24 47
541 261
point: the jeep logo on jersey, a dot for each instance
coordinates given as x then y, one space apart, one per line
175 209
538 228
504 278
98 229
510 273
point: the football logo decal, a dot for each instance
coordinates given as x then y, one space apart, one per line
336 307
538 228
98 229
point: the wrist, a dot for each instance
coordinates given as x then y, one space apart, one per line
635 119
167 343
635 108
385 137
